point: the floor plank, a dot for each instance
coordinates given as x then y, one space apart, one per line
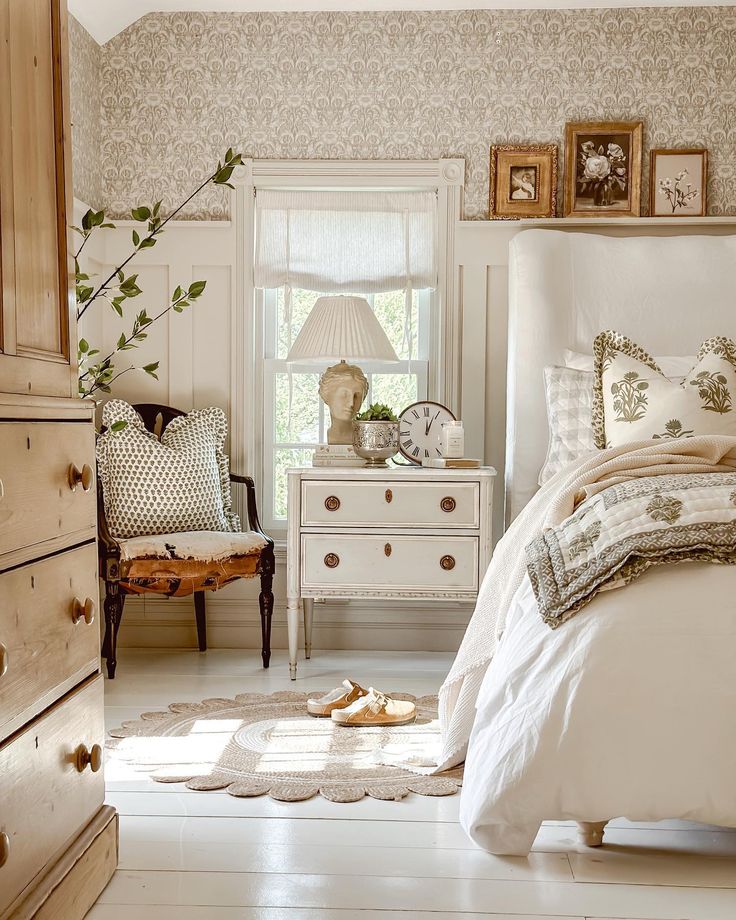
353 892
169 912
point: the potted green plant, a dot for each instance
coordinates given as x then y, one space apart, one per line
376 434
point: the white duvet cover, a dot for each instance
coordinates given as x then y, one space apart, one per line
627 710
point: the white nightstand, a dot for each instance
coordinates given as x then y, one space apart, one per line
394 533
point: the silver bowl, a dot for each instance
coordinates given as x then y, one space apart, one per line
375 442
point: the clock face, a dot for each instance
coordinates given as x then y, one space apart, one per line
420 430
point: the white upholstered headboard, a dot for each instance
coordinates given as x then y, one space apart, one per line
666 293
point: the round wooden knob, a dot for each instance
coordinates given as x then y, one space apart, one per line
83 611
89 758
332 560
332 503
4 848
387 549
4 659
389 496
84 477
448 503
447 563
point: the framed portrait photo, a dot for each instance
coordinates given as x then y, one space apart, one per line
603 169
523 181
677 182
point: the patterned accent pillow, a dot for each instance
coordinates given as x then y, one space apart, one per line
634 401
179 483
569 396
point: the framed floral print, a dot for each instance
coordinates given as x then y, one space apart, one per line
523 181
603 169
677 182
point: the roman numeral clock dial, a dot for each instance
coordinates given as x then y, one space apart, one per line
420 430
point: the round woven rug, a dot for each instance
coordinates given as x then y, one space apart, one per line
259 744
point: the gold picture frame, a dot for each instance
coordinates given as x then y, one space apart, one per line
523 181
676 200
603 168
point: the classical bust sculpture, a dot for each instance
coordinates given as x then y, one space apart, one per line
343 387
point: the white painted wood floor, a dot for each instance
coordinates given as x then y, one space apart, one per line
209 856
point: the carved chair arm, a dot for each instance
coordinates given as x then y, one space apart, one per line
252 508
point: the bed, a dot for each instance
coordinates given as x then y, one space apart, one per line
629 709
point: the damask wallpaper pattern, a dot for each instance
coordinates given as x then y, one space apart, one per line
86 110
178 89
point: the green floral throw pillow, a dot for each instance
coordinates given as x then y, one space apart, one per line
634 401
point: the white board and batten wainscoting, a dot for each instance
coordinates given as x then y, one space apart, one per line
206 356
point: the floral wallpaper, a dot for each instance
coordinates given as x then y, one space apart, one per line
178 89
86 111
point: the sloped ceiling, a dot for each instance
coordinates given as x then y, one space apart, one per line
103 19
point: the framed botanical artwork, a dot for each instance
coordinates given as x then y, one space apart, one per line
603 169
523 181
677 182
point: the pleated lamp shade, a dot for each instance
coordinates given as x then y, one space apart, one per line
341 329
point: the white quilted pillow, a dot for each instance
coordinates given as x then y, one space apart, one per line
180 483
569 395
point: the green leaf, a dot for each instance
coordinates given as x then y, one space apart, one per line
93 351
136 238
121 340
83 293
222 175
229 154
117 308
156 207
147 242
97 218
108 225
177 293
83 346
87 220
120 425
151 369
196 288
141 213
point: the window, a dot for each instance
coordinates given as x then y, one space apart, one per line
293 425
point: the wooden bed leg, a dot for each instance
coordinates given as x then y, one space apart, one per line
590 833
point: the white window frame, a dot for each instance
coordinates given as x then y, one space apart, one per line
445 176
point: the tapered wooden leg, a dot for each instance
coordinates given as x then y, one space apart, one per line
292 617
590 833
200 613
114 600
265 602
308 614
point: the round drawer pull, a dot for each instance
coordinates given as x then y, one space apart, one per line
332 503
84 477
332 560
448 503
83 611
447 563
4 657
387 549
4 849
389 496
88 758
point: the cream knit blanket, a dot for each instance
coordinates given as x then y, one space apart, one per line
555 501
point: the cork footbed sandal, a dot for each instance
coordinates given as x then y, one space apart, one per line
339 698
376 709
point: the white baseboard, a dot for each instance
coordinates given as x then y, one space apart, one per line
235 623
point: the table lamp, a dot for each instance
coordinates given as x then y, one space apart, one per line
341 329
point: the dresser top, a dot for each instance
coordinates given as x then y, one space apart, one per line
392 473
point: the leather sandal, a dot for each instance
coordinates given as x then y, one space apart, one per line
376 709
339 698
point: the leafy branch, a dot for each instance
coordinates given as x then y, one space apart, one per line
119 287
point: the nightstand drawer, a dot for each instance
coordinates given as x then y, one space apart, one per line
450 504
412 564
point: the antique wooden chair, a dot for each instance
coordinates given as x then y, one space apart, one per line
181 577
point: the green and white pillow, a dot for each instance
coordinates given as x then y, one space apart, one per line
634 401
177 484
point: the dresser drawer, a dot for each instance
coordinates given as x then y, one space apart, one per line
46 800
411 564
43 652
389 503
38 500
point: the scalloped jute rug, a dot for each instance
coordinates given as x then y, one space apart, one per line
266 744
